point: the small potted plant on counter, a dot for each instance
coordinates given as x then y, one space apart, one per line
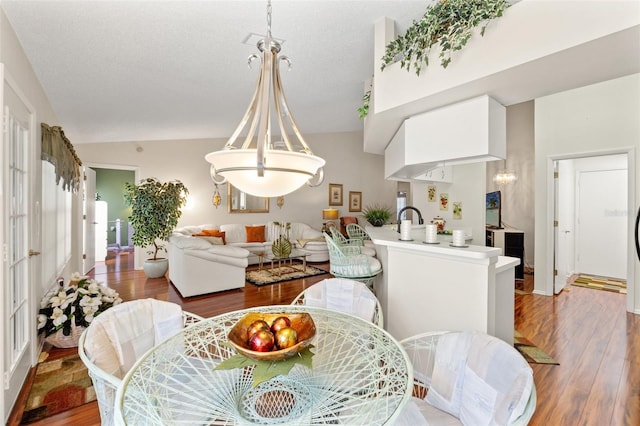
377 214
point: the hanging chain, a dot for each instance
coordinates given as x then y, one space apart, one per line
269 18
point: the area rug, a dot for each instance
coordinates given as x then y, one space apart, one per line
283 273
59 384
530 351
601 283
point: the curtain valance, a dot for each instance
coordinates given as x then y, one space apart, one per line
58 150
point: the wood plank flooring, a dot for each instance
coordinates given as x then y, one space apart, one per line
587 331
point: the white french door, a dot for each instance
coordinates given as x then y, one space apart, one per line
17 315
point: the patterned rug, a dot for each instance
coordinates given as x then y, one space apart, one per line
283 273
601 283
530 351
59 384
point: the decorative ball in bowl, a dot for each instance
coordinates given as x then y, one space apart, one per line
272 336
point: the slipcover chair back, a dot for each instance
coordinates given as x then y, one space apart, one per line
119 336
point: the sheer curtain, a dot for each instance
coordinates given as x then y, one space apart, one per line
61 175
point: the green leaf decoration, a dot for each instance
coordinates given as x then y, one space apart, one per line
236 361
267 370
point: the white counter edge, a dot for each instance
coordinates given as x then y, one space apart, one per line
390 238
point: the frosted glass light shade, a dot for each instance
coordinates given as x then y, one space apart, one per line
284 171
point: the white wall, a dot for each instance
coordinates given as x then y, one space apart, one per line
468 187
18 68
184 160
517 198
18 72
597 119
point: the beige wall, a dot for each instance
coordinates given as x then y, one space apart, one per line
184 160
518 198
593 120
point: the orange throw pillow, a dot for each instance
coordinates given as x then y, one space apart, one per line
255 234
212 233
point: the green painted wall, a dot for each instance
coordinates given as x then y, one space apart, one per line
110 188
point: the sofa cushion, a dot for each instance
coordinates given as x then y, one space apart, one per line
212 233
191 243
234 233
255 234
218 241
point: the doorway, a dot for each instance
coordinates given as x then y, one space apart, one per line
113 233
591 217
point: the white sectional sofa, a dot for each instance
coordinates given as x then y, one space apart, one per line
200 265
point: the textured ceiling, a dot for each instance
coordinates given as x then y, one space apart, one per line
155 70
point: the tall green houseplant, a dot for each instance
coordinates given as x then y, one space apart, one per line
155 210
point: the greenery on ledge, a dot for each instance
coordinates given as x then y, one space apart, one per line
449 23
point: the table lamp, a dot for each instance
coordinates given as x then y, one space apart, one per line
329 215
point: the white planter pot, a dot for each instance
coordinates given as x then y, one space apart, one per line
155 268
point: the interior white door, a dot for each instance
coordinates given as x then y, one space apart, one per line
102 215
89 207
17 314
565 216
601 231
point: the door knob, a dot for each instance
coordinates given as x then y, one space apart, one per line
33 252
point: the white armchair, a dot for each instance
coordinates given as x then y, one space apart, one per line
349 262
467 378
343 295
119 336
341 240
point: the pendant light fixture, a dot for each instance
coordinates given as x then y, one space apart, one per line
257 165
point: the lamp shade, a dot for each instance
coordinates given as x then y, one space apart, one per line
284 171
329 214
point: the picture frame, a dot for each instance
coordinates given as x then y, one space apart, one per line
355 201
335 194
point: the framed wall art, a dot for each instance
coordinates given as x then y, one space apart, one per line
335 194
355 201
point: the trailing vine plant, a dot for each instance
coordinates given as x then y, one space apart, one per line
364 109
449 23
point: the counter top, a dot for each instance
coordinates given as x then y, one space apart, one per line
391 238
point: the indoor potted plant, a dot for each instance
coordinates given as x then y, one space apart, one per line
282 246
67 309
377 214
155 210
447 23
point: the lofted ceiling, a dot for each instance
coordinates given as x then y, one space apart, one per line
157 70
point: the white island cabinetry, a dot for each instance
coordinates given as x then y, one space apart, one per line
429 287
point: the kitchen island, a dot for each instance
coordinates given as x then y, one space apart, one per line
429 287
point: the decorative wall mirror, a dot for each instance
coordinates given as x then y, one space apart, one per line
241 202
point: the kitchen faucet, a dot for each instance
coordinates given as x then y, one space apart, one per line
420 220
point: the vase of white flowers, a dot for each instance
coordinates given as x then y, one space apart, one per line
68 309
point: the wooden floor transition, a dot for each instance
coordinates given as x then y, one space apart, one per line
596 342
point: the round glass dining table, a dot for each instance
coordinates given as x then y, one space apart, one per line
360 375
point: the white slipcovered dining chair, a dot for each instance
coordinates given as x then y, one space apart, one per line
467 378
344 295
341 240
348 262
119 336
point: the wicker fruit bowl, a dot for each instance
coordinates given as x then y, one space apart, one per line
302 323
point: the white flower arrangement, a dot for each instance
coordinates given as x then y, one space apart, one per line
76 303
